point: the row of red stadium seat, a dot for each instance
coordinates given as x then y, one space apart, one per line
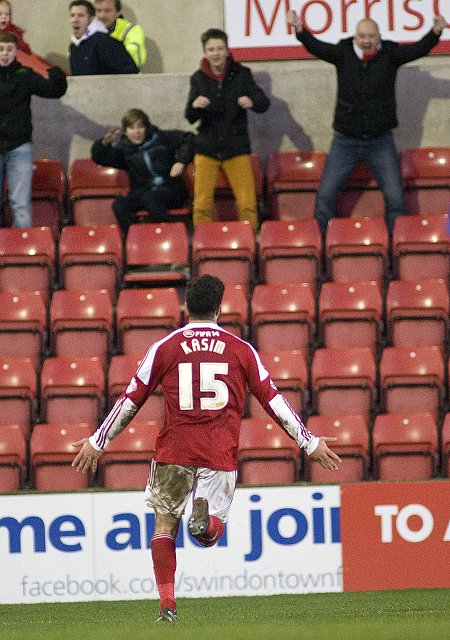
93 257
78 389
286 189
404 446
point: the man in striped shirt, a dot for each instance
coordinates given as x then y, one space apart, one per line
204 372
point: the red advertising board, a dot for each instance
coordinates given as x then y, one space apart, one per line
395 535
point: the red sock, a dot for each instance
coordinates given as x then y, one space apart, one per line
212 533
164 565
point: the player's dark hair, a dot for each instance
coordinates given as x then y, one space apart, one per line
217 34
84 3
204 296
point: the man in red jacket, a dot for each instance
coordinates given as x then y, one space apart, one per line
204 372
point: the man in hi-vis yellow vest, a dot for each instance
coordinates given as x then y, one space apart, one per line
132 35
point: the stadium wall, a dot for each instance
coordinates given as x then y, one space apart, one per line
300 539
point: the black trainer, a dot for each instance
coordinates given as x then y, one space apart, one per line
167 615
199 520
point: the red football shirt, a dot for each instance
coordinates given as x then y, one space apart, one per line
204 372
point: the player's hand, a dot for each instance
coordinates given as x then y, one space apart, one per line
293 20
201 102
87 457
245 102
324 456
111 136
176 169
439 24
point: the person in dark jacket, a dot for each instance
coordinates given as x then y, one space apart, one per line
92 51
154 159
17 85
365 111
221 93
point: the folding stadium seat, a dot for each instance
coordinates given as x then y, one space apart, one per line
293 178
27 260
91 258
357 245
157 254
352 446
446 446
121 370
125 464
23 325
421 247
92 190
426 179
405 446
72 390
290 251
343 381
145 316
51 456
360 195
350 314
13 457
81 323
226 250
18 393
266 454
224 203
283 317
417 313
234 315
289 373
412 379
48 192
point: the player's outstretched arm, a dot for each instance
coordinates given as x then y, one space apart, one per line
87 458
324 456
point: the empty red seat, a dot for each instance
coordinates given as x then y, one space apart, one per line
412 379
343 381
446 445
13 457
426 179
81 323
234 314
417 313
421 247
224 203
90 258
293 178
360 195
18 393
405 446
92 190
27 260
283 316
121 369
289 373
357 246
23 325
125 464
72 390
350 314
266 454
290 251
52 454
352 446
145 316
157 254
226 250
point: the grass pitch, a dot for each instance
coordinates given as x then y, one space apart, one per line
422 614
